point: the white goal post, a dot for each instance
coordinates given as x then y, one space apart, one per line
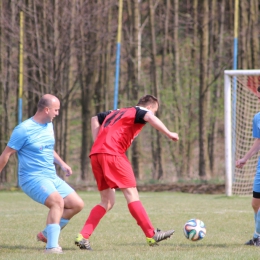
240 106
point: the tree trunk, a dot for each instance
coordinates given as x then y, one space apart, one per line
254 14
178 92
203 93
58 124
243 36
82 64
166 40
107 65
71 83
216 50
133 86
157 152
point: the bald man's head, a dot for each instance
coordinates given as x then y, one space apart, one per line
46 101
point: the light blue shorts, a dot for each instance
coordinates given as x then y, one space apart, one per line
256 185
40 189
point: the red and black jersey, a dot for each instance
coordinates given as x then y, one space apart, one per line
118 129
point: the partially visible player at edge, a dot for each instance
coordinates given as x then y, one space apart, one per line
113 133
33 140
255 241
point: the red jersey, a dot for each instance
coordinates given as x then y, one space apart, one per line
118 130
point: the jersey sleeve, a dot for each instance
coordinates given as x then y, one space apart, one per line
101 116
140 113
256 126
18 138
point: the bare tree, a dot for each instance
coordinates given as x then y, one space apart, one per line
203 94
156 144
254 14
216 49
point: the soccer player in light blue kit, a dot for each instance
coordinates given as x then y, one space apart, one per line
33 140
255 241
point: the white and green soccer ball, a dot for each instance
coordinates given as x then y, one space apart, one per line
194 229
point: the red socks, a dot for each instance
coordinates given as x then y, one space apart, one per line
138 212
96 214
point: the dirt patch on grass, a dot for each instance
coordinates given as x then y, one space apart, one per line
187 188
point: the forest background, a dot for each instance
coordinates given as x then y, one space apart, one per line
175 50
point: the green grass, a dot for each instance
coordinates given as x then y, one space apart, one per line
229 222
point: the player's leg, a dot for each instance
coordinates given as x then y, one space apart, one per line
138 211
72 205
256 207
97 213
44 192
127 179
55 204
135 206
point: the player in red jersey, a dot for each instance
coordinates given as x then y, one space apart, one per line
113 133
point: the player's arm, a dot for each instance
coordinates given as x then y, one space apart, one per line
253 150
156 123
96 122
95 126
64 166
5 157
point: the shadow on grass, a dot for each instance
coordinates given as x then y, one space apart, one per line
13 247
192 245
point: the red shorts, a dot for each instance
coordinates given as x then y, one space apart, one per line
112 171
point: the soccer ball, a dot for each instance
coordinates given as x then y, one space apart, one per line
194 229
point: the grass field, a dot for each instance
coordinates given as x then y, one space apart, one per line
229 223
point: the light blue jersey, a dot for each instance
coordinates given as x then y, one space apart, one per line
256 134
34 144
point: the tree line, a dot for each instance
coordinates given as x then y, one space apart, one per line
175 50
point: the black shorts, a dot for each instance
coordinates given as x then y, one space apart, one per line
256 195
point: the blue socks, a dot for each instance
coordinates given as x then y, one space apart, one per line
63 223
257 224
53 233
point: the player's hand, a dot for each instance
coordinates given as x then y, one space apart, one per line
240 163
66 169
174 136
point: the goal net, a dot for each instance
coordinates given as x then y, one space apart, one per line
241 104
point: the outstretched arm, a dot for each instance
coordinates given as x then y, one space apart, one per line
95 126
5 157
253 150
159 125
65 167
